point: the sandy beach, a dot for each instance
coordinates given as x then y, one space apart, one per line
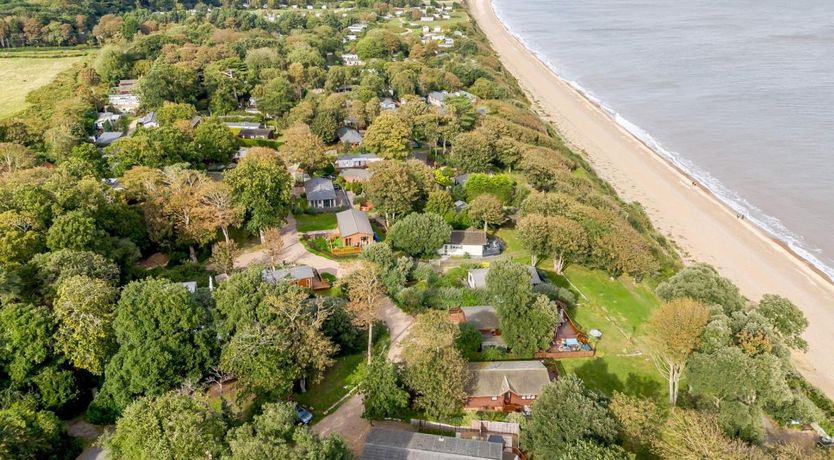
701 226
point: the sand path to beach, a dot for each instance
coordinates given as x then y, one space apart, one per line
703 228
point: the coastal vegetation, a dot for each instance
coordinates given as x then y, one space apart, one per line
144 281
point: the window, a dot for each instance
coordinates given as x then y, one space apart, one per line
495 398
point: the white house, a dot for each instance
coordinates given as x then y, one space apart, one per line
105 120
361 160
149 120
476 278
387 104
358 27
427 19
463 243
351 60
124 102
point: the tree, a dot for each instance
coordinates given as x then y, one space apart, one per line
171 425
171 112
74 230
168 82
273 243
500 185
28 433
14 157
52 267
214 142
303 148
639 421
435 369
757 381
382 395
26 336
275 433
366 297
223 255
21 237
565 412
529 328
219 208
509 283
163 338
183 202
587 450
275 97
472 152
535 236
676 329
286 345
568 241
487 209
84 308
393 189
261 185
239 301
694 435
703 283
787 320
440 202
389 136
420 234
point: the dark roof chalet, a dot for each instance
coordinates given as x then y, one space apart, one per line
387 444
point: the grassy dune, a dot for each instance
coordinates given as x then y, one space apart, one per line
20 75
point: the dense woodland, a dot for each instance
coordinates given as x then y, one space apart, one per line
86 329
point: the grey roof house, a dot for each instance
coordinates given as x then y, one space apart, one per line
149 120
354 227
320 192
505 385
349 136
355 175
476 278
388 444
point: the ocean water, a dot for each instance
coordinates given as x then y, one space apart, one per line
739 93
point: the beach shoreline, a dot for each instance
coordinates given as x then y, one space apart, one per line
703 227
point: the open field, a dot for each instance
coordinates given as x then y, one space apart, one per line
20 75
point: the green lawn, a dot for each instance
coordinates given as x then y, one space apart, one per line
335 384
315 222
617 307
339 379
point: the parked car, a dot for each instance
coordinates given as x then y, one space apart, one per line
304 415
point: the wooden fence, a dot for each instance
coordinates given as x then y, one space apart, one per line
475 425
346 251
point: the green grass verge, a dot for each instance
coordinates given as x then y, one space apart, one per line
336 383
315 222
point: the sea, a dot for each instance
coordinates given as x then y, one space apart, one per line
738 93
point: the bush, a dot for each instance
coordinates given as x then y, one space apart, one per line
411 298
424 273
469 341
556 293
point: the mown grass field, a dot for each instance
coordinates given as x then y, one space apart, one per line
620 309
20 75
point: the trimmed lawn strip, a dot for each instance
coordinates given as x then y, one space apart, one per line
315 222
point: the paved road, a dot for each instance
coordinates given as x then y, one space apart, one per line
295 253
347 419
